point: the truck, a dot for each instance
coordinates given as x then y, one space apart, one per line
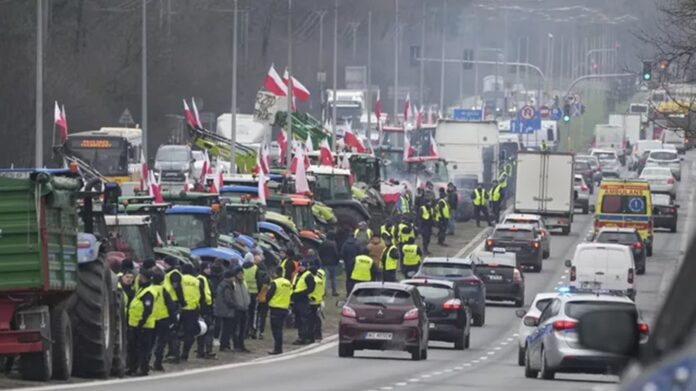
351 109
249 132
544 186
174 166
471 148
611 137
61 312
631 125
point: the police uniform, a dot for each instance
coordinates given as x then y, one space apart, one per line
205 342
363 270
172 284
162 310
278 298
189 312
390 263
480 205
442 216
425 214
495 196
303 286
141 329
253 287
411 259
316 298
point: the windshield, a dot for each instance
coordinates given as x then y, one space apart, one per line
108 156
393 140
576 309
510 234
664 155
466 182
618 237
436 269
624 204
344 110
198 155
433 170
582 166
133 241
433 292
605 155
190 231
522 221
333 187
381 296
302 216
364 170
241 219
173 154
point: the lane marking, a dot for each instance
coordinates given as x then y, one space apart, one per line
466 364
497 348
400 384
414 380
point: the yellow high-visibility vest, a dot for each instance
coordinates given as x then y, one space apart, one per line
137 308
390 263
168 284
317 297
411 257
282 294
192 291
206 289
159 309
362 270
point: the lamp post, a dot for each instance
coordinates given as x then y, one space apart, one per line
233 111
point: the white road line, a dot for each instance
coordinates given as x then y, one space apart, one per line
458 368
400 384
414 380
387 388
484 358
437 373
448 370
490 353
425 376
475 362
563 277
504 343
466 364
515 335
497 348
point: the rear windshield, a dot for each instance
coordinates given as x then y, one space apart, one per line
522 221
605 155
431 292
576 309
450 270
624 204
664 155
578 180
541 304
508 234
582 166
617 237
381 296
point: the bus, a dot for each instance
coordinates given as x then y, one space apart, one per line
114 152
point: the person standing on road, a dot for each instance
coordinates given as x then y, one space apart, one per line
495 195
453 200
403 205
480 204
278 299
328 254
249 268
173 285
390 263
316 299
412 256
205 342
426 225
224 309
362 234
303 286
364 269
190 312
442 216
164 311
375 249
240 302
141 326
349 251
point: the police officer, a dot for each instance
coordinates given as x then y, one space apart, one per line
278 299
403 205
426 225
205 342
363 270
442 216
251 279
164 311
362 234
316 298
141 324
172 284
544 147
303 286
189 313
390 262
480 204
406 231
495 195
411 258
453 200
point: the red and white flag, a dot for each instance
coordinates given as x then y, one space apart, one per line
217 180
309 146
262 187
61 122
197 117
155 189
283 145
263 161
325 155
206 167
298 89
301 183
407 107
431 115
408 149
419 117
378 107
188 115
299 153
274 83
352 141
433 147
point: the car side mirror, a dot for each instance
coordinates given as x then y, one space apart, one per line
610 331
531 321
568 263
340 303
520 313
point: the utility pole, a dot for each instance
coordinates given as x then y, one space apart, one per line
233 111
354 30
422 53
335 73
322 79
290 87
38 152
442 56
369 78
143 71
397 29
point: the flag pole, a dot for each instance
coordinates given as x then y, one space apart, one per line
288 130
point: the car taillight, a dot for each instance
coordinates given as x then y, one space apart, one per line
673 210
573 273
560 325
638 245
670 181
516 275
490 243
411 314
644 328
630 276
452 304
83 244
348 312
535 244
473 282
583 187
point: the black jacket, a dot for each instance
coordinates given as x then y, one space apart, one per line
349 251
452 199
328 253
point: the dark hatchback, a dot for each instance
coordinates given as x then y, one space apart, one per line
384 316
665 212
461 271
448 313
521 239
585 169
628 237
504 280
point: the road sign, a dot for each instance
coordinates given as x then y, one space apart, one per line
527 113
544 111
126 119
467 115
525 127
556 113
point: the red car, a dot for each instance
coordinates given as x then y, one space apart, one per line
384 316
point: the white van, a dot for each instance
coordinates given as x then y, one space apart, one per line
603 266
674 137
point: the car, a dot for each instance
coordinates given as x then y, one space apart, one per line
661 180
448 313
665 158
608 160
603 266
628 237
538 222
503 278
674 137
582 194
642 159
522 239
461 271
384 316
594 164
665 212
553 347
584 169
528 316
641 148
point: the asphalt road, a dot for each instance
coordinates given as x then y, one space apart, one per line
490 363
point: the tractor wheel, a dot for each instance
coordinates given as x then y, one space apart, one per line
118 367
61 333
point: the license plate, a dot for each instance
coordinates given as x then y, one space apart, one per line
379 336
514 248
494 277
591 284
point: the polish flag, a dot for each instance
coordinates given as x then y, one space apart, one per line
378 107
274 83
431 115
217 180
188 115
433 147
301 183
298 89
408 149
407 107
262 187
419 117
206 167
60 122
325 155
352 141
263 161
197 117
309 146
155 189
283 144
299 152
